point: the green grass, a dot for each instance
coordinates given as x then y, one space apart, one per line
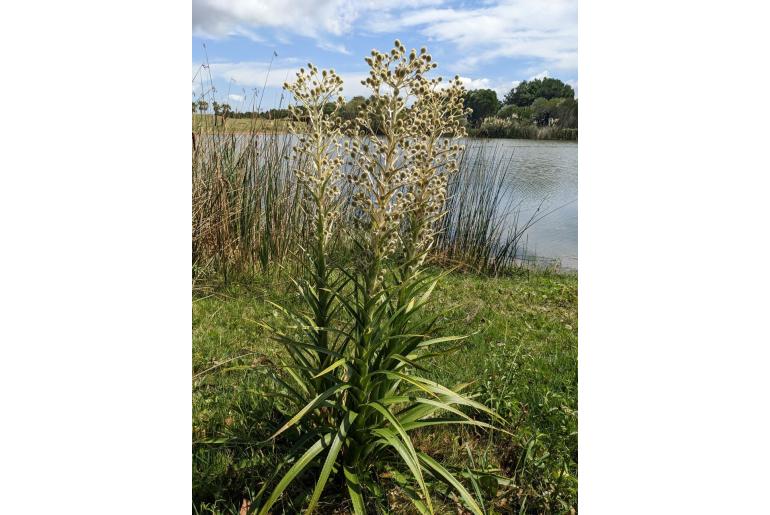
522 357
203 121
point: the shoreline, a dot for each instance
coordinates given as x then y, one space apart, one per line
240 132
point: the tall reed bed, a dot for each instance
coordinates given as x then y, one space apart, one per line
245 211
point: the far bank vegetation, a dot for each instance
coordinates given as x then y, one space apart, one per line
543 108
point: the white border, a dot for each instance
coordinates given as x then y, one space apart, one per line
673 244
673 345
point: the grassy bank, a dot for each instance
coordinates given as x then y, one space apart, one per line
522 356
238 125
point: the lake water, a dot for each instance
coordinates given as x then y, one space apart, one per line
547 172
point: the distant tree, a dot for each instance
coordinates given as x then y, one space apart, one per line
525 93
225 110
483 103
352 107
329 108
567 113
203 106
507 111
195 107
544 110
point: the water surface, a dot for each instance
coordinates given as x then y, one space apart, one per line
541 172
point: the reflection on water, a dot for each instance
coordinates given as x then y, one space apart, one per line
541 172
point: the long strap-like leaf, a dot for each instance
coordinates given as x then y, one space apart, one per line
295 470
312 404
449 478
354 491
407 451
331 458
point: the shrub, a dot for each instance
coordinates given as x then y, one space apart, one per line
545 110
507 111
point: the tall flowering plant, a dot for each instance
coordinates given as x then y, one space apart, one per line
355 346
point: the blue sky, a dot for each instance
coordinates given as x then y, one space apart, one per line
490 44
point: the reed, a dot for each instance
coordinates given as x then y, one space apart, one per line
245 209
484 230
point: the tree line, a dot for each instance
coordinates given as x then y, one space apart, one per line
542 102
224 110
546 102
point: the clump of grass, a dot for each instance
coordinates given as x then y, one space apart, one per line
245 206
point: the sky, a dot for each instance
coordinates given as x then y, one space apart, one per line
253 46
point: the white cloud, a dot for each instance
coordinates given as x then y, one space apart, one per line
251 76
542 75
545 30
332 47
475 83
501 87
312 18
541 31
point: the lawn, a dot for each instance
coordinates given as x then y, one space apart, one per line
521 357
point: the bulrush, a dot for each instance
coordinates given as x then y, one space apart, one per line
353 383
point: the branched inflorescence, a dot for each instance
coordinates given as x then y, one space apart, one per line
319 141
401 149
